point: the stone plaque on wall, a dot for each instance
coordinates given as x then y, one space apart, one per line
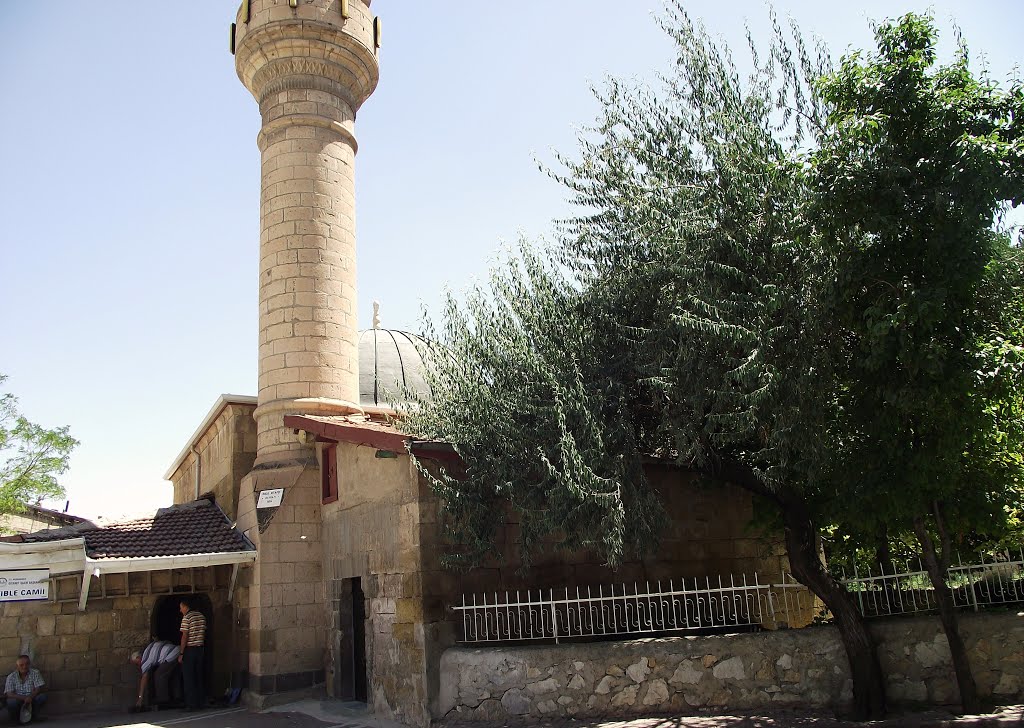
270 498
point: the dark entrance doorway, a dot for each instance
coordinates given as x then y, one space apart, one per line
165 624
352 614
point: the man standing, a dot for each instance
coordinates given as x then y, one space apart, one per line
25 687
159 659
193 639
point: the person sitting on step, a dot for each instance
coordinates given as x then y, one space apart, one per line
26 691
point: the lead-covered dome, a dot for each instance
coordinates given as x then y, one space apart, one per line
389 361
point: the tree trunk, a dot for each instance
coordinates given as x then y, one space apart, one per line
883 554
804 548
937 566
883 557
865 669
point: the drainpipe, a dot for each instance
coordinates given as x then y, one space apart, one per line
195 452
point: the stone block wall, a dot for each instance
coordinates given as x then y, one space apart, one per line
372 533
280 599
226 453
83 656
295 604
712 531
681 675
34 519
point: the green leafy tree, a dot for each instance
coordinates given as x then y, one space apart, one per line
1001 380
916 165
31 457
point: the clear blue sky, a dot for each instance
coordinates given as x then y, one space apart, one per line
129 186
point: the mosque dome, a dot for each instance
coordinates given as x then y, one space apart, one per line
388 360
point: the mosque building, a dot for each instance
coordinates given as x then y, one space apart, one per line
300 524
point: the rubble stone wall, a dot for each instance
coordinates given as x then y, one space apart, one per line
792 668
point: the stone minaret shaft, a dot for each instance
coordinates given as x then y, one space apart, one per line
309 69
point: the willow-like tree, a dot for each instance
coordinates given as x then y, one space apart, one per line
918 162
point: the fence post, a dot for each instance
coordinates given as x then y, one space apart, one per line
970 581
768 591
554 615
860 590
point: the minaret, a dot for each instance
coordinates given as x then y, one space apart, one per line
310 64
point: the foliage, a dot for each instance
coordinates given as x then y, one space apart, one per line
791 282
907 182
916 165
1001 383
31 457
669 327
533 421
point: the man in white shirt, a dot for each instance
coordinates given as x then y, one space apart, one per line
25 687
159 659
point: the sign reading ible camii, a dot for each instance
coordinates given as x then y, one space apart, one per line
24 586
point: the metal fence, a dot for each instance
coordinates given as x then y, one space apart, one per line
722 603
697 605
992 581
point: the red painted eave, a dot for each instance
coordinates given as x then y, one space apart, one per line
370 434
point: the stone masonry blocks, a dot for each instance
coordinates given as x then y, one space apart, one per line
309 80
83 655
285 604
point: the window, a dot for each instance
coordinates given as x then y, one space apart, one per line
329 474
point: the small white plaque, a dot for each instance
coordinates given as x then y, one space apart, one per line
24 586
270 498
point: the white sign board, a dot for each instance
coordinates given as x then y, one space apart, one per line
24 586
270 498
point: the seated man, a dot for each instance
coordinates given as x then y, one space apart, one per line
159 659
25 687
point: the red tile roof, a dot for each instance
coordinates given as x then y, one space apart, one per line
199 527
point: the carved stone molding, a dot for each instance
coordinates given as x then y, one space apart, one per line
339 62
271 127
282 80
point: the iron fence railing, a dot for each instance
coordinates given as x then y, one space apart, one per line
994 580
722 603
611 611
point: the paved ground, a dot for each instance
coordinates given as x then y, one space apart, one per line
334 714
1007 717
223 718
304 714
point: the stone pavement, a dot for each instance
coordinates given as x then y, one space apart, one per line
336 714
304 714
1011 716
